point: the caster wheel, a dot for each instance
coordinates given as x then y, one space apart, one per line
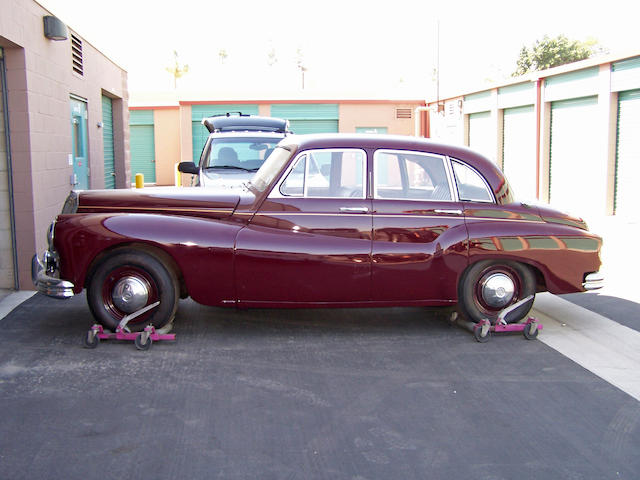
141 344
528 334
481 332
91 340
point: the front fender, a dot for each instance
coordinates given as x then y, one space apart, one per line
201 248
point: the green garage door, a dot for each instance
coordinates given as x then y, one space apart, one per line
482 138
142 144
577 180
107 137
200 133
519 150
628 154
308 117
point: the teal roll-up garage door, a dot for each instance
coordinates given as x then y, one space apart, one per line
308 117
107 138
142 145
482 138
628 154
577 180
519 150
200 133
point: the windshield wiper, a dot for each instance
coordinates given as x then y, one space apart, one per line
232 167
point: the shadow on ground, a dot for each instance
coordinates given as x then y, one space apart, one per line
617 309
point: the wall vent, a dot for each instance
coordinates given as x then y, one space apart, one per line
403 113
76 54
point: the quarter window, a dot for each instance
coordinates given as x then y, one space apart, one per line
471 186
410 175
327 174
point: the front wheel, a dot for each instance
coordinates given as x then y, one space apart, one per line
127 281
488 287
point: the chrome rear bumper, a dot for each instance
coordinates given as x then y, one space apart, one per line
593 281
50 286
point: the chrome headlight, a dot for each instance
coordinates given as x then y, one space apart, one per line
71 203
50 235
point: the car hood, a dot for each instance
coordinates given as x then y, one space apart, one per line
211 203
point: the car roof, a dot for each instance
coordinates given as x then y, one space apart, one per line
237 121
488 169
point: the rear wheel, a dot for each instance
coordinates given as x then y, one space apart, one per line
488 287
126 282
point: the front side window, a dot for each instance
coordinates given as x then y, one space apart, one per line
471 186
327 174
410 175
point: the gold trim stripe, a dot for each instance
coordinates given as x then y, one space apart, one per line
393 215
157 209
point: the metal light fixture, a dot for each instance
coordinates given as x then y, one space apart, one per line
54 29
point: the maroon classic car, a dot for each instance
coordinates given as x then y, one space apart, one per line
327 221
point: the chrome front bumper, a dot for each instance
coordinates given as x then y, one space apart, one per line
51 286
593 281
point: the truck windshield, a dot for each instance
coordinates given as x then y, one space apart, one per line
247 153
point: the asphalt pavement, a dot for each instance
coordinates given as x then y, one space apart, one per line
302 394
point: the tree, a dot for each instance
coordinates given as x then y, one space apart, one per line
176 70
552 52
222 55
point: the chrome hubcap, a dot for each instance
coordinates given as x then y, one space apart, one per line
130 294
498 290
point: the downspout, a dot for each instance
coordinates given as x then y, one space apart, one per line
417 119
12 212
538 134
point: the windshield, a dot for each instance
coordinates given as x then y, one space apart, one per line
245 153
270 169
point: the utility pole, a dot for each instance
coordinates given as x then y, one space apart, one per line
301 66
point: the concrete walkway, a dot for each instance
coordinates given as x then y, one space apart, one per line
10 299
602 346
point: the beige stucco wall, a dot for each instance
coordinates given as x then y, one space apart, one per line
6 242
354 115
186 133
167 144
40 81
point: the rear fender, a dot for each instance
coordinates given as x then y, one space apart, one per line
561 254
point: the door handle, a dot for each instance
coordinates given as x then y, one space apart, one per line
452 211
354 209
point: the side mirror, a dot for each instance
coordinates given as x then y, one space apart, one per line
188 167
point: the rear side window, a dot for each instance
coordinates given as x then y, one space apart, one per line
410 175
471 186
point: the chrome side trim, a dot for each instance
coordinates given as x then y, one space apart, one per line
354 210
593 281
50 286
452 211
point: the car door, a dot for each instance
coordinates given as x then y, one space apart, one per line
419 233
310 240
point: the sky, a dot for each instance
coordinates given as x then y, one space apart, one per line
349 48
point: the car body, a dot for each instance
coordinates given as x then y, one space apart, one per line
328 221
236 148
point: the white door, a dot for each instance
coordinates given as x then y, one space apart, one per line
578 172
519 151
